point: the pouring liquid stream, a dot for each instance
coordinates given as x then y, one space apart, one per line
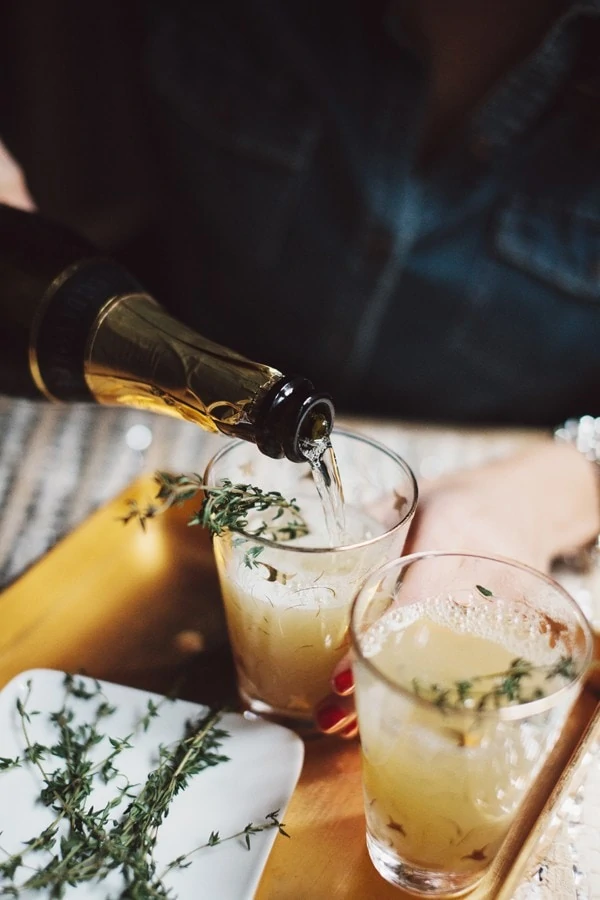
326 476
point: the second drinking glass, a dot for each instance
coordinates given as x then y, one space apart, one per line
466 669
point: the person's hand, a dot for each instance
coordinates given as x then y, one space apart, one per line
13 189
533 507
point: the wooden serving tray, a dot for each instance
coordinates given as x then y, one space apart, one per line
143 609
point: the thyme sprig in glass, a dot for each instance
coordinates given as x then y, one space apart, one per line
497 689
84 843
224 508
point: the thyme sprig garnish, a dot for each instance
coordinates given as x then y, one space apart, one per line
83 843
271 821
498 689
224 508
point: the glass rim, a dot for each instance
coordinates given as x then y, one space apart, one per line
341 548
512 712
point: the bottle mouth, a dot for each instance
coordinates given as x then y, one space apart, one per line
291 413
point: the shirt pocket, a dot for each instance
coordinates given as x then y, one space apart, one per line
242 131
554 243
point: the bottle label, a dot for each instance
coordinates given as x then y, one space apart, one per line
65 319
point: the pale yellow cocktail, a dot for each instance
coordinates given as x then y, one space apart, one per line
286 637
460 697
288 613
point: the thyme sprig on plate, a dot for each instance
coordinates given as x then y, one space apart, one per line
498 689
84 843
224 508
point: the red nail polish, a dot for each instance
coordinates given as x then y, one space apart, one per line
344 682
349 731
329 717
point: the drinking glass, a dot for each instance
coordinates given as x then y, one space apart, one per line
466 668
287 602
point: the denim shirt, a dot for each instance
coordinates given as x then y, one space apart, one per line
306 236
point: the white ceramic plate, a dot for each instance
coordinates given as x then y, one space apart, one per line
264 765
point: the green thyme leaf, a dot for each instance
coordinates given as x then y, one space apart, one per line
497 689
224 508
85 843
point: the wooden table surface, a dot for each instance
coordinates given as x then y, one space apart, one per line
56 468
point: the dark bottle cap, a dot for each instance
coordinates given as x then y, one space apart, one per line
289 413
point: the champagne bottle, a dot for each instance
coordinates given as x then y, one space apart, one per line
75 326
